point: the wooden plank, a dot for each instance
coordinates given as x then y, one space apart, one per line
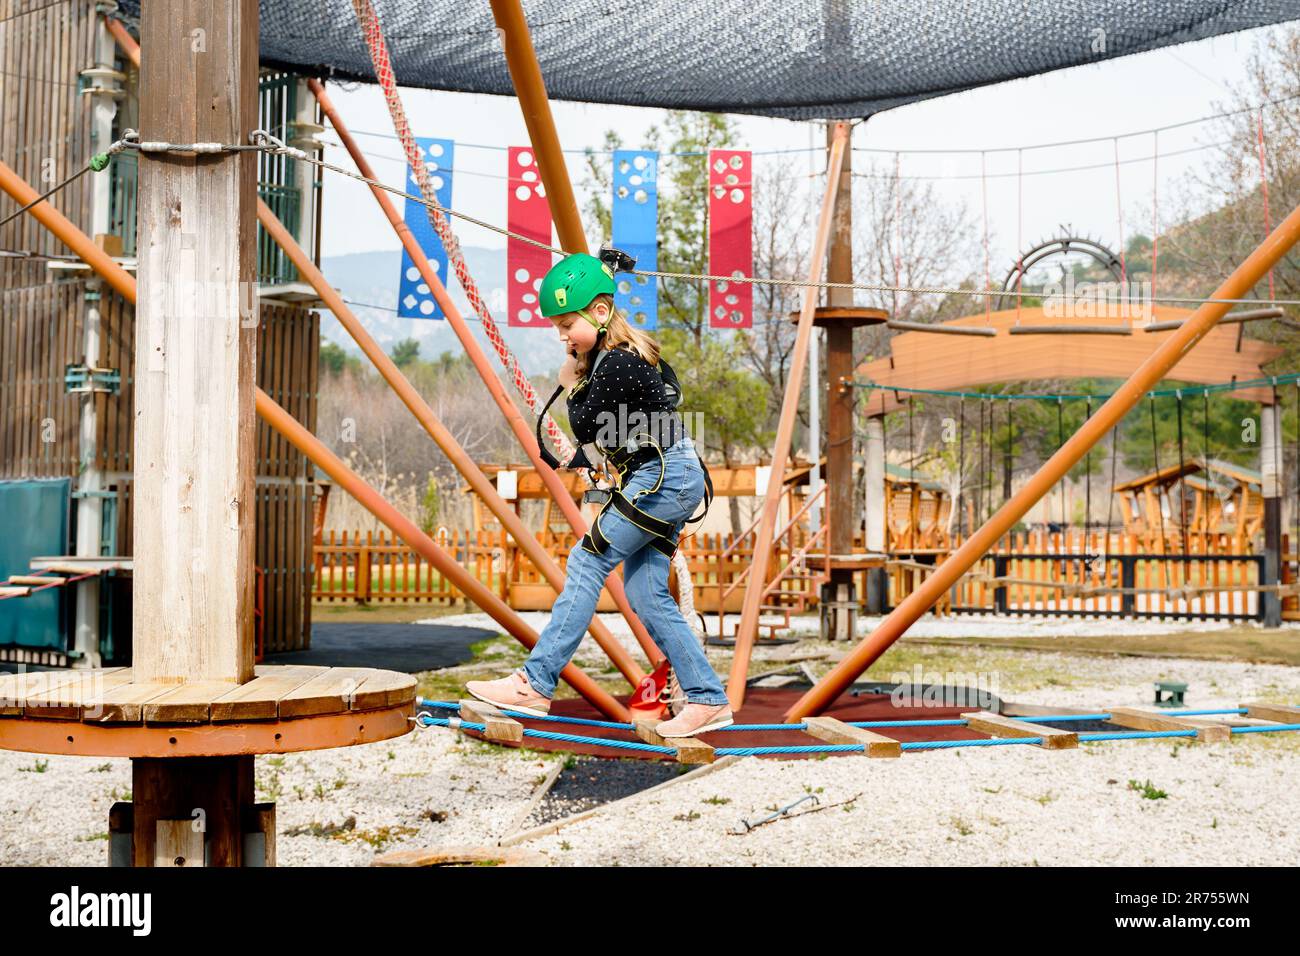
71 700
1138 719
330 693
837 732
17 689
498 725
384 689
190 703
996 725
259 699
125 704
1281 713
689 749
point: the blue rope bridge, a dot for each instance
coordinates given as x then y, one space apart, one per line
426 719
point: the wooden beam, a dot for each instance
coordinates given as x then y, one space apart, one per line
195 351
837 732
1281 713
499 726
1138 719
996 725
689 749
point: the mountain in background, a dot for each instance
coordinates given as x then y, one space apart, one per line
372 278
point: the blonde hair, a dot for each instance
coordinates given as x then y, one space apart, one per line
619 331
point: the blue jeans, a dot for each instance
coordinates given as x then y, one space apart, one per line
645 574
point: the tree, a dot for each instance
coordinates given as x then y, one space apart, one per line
405 352
334 359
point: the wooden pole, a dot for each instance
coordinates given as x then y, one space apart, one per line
1156 366
747 629
526 74
195 352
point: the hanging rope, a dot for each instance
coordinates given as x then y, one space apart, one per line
960 503
988 282
1007 456
1087 483
1155 210
1110 509
379 57
1263 183
1160 498
1060 442
898 228
1182 474
1119 215
1020 229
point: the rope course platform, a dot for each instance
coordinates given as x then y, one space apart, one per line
868 724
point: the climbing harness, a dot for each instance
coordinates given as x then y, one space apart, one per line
570 286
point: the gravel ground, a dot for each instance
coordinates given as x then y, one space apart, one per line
1223 804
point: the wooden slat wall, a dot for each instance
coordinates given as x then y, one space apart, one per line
44 122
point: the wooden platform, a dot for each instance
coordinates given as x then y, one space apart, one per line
283 709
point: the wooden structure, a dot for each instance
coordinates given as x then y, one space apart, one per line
917 510
924 360
1217 498
194 394
67 339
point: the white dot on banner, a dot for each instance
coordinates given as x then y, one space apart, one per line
640 162
720 165
737 161
634 300
641 195
409 301
431 166
634 180
737 195
521 275
719 192
436 149
422 289
737 317
525 315
720 286
732 179
623 167
737 274
412 273
624 286
530 176
522 193
427 307
530 298
621 192
435 265
537 285
731 299
541 190
525 158
720 312
640 280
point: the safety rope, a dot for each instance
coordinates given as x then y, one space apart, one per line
1234 386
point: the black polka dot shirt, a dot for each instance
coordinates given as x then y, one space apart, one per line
606 410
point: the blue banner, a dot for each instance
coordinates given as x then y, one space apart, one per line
636 232
414 298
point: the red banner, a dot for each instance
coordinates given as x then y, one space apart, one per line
528 214
731 246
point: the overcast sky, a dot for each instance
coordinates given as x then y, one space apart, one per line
1103 100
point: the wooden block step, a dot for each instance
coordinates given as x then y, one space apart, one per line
996 725
1280 713
1138 719
837 732
499 726
689 749
14 591
76 570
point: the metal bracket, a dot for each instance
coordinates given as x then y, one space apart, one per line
82 379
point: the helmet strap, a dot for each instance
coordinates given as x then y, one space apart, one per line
594 324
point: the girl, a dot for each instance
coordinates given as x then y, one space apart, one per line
623 398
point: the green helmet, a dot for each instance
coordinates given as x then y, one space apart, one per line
573 282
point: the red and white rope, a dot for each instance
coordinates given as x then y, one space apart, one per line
384 74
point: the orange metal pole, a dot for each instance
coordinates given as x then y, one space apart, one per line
438 432
1156 366
509 409
125 285
530 89
748 627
